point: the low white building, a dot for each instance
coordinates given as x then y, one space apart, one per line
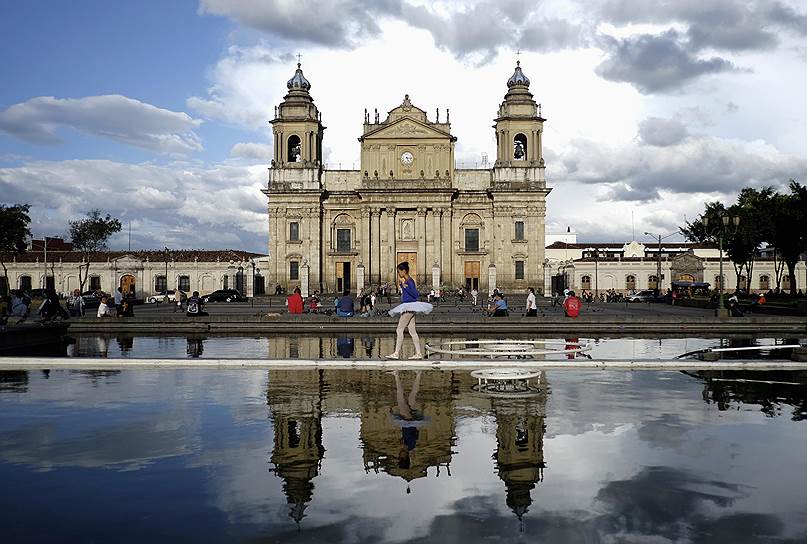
142 273
634 266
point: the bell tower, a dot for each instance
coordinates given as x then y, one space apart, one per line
297 129
519 126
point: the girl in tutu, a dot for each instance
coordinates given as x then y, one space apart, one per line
407 309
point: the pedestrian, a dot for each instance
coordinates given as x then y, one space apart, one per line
118 301
75 303
195 306
407 309
474 296
532 308
103 309
572 305
20 305
344 306
295 302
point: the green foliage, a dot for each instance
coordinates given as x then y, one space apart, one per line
766 217
90 235
14 232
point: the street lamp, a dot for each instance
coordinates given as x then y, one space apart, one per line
658 256
596 270
720 228
167 253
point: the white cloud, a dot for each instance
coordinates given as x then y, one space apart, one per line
116 117
184 206
253 151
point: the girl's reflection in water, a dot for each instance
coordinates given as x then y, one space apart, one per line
409 417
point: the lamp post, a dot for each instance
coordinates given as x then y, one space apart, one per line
721 228
167 252
659 237
596 270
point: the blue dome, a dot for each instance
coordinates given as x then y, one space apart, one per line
518 77
298 81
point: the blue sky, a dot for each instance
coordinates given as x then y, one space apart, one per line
157 111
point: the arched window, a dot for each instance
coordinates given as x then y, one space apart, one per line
652 282
184 283
585 282
630 283
520 147
786 282
742 282
160 284
295 150
764 283
718 282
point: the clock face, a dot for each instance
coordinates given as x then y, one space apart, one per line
407 158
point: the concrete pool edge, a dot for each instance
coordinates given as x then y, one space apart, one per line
39 363
614 325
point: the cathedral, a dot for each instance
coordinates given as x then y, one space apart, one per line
333 230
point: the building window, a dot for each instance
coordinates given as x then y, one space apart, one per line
519 270
184 283
226 282
294 270
630 283
471 239
585 282
743 282
519 230
343 240
718 283
520 147
25 283
95 283
786 282
294 231
764 283
652 282
160 284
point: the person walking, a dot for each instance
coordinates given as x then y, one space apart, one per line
474 296
75 303
295 302
572 305
407 309
532 308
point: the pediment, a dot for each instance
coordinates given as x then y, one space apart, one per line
406 127
127 261
686 261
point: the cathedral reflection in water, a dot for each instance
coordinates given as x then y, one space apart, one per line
407 427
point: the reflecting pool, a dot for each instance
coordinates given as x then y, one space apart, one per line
368 456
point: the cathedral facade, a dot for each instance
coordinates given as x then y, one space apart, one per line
346 229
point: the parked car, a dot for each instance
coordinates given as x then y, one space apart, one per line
224 295
163 296
92 299
643 296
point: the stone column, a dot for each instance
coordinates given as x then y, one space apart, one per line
422 257
305 273
448 247
360 278
375 251
365 238
438 236
389 266
491 278
436 276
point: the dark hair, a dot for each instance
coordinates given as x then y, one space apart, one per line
195 294
571 293
404 266
297 290
532 290
346 292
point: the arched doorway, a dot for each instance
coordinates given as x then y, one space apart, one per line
128 285
686 277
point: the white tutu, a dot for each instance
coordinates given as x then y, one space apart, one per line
416 307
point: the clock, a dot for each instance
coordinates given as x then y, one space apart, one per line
407 158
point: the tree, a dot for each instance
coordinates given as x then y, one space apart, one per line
790 216
89 236
14 233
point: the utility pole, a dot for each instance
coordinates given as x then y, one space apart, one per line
659 238
723 224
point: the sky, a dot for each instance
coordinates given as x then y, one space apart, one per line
157 112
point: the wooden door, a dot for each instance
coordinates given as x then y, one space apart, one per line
412 259
127 286
343 276
472 275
